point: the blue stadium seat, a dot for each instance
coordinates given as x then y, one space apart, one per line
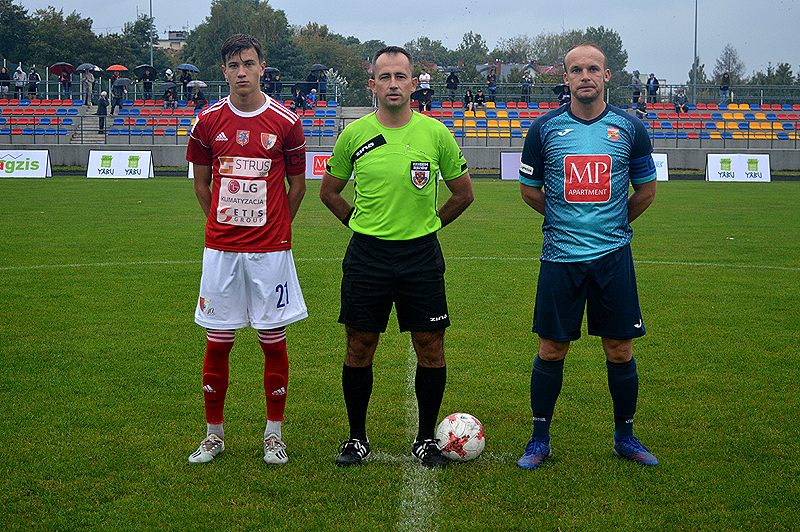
330 112
331 103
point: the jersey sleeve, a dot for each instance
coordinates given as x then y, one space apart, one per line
340 164
294 150
531 167
452 163
641 167
199 149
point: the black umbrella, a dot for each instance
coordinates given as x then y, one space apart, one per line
560 89
121 81
140 70
166 86
271 69
187 66
417 94
58 68
317 67
88 66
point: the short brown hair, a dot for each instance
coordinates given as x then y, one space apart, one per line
392 50
236 44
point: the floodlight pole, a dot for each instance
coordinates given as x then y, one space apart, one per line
150 36
694 59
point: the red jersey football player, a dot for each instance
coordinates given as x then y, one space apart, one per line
244 149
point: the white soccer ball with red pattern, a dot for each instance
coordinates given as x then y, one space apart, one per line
461 437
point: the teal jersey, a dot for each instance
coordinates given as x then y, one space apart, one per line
396 173
586 169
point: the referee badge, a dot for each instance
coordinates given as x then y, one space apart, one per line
420 174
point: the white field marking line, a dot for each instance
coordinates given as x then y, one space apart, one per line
419 500
338 259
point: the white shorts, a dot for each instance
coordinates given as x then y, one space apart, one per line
256 289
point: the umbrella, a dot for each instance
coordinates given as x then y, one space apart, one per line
451 69
116 67
187 66
559 89
121 81
196 83
314 68
88 66
271 69
139 70
417 94
58 68
166 86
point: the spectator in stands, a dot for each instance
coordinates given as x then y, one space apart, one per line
323 85
469 101
652 89
169 99
452 85
33 83
266 82
277 87
186 77
147 83
525 85
5 82
118 92
641 108
102 110
636 87
491 81
425 100
19 82
311 81
563 94
725 89
87 86
65 85
298 100
311 99
681 102
480 99
424 79
199 99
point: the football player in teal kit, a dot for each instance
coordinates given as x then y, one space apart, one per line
576 168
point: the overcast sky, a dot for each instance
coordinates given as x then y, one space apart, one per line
658 35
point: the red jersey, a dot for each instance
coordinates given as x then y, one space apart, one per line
250 155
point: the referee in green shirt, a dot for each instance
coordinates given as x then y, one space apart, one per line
394 257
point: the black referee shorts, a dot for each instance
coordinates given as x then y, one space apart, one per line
408 273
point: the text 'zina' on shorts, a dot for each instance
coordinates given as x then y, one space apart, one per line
408 273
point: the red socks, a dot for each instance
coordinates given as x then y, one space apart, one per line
215 372
276 371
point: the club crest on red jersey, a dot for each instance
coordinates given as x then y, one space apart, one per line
268 140
420 174
242 137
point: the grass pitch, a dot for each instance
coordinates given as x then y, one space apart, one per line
100 371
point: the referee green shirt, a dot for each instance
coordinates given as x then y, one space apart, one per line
396 174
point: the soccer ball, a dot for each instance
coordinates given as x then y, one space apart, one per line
461 437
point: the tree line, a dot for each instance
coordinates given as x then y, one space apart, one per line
47 36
